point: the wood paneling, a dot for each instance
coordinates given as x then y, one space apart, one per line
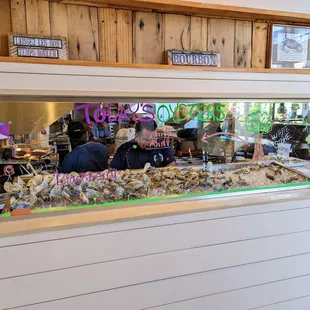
221 39
108 35
38 17
199 33
148 38
115 35
44 17
124 36
58 17
83 33
259 45
243 44
177 32
5 26
18 14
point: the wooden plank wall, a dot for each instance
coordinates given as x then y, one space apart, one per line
124 36
246 258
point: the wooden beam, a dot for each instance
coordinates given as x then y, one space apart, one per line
201 9
5 26
147 66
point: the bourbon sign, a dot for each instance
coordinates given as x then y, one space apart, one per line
38 46
180 58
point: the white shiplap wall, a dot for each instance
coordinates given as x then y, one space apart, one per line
41 82
235 259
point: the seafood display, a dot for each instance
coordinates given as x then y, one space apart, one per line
46 190
289 161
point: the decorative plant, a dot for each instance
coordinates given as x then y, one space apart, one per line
295 106
308 141
258 123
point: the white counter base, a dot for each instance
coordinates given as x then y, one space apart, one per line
232 259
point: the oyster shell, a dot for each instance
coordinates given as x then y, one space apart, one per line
91 194
84 198
56 192
37 180
119 192
270 176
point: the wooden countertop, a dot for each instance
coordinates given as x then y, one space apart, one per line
19 225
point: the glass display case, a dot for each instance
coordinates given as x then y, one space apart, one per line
197 149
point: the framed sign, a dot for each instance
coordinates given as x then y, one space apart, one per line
290 47
34 46
188 58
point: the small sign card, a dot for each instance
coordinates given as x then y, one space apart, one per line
38 46
284 150
37 52
188 58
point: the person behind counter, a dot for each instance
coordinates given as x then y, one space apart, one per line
135 154
101 131
67 120
86 156
125 134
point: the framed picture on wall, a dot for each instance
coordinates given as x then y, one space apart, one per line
290 47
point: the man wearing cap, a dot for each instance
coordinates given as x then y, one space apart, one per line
85 156
145 148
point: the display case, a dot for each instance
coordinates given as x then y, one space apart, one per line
219 148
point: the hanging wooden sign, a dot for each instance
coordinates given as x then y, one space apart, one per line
188 58
34 46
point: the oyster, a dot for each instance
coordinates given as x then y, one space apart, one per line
12 188
37 180
255 168
145 178
48 178
91 194
56 192
245 171
13 202
157 177
134 185
107 193
20 181
242 181
169 174
146 167
218 187
119 192
84 198
41 187
8 187
270 176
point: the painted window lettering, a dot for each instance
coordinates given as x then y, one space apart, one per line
165 113
100 114
204 112
66 179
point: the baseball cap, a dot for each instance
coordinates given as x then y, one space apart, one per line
68 117
76 130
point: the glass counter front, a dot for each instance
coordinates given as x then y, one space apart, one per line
194 149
